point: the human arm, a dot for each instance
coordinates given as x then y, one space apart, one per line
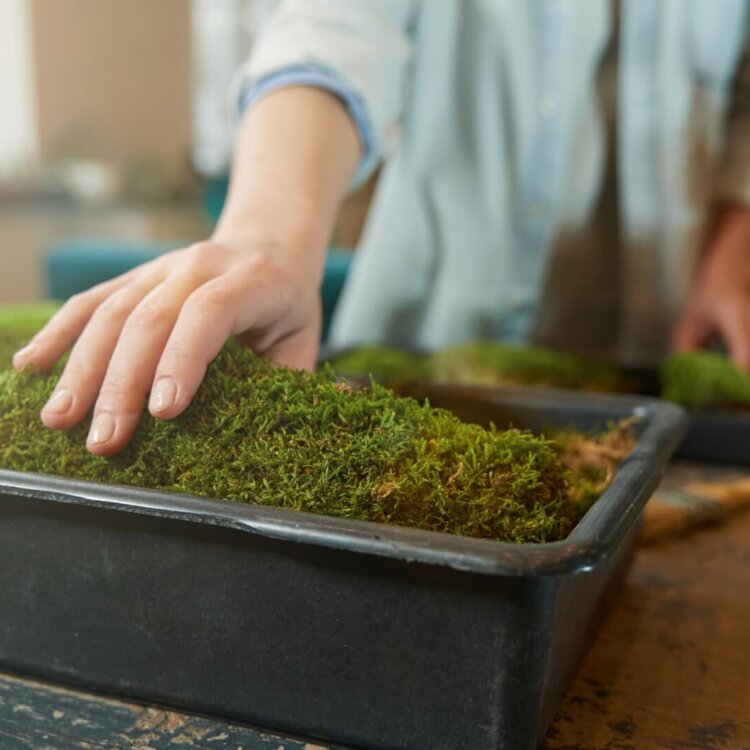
155 329
718 303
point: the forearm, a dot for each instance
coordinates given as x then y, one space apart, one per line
296 152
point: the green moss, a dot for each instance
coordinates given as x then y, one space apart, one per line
480 363
704 379
694 379
31 315
385 364
257 433
18 323
488 363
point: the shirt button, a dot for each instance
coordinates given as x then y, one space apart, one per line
547 105
512 303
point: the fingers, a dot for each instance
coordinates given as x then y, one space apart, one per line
65 326
730 320
158 327
692 332
130 373
298 350
250 296
77 389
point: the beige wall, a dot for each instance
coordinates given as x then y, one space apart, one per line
18 145
111 82
28 231
113 79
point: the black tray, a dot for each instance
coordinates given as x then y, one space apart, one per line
369 635
717 435
721 435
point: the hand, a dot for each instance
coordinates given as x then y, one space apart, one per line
718 305
156 329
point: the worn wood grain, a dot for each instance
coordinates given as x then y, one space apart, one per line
671 666
39 716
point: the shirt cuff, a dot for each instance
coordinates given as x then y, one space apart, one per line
327 80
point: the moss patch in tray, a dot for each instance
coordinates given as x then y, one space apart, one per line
490 363
270 435
704 379
696 380
18 324
388 365
480 363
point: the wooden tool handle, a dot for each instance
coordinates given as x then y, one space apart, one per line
731 495
700 504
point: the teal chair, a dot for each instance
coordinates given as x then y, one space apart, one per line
74 265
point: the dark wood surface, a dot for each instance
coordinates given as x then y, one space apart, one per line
38 716
671 666
669 669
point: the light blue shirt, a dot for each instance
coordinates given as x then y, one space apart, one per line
488 114
327 80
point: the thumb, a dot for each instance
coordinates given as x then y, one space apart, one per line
298 351
693 331
733 324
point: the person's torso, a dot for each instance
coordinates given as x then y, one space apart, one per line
495 196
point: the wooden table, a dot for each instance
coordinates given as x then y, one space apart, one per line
669 669
671 666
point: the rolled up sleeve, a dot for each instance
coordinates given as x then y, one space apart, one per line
357 50
330 81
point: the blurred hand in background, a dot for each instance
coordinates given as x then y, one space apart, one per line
718 304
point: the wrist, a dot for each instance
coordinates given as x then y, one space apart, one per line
296 151
295 249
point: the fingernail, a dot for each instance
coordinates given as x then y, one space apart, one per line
23 354
163 395
60 402
102 428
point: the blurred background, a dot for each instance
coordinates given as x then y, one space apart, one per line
116 134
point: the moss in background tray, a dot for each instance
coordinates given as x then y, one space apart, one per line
697 380
257 433
704 379
18 323
390 366
490 363
480 363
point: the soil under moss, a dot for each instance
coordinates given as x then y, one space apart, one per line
263 434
